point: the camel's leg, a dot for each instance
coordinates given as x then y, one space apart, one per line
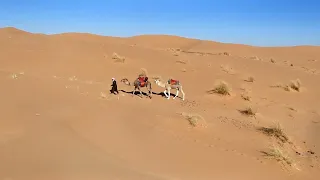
183 94
165 92
150 92
140 91
176 93
134 91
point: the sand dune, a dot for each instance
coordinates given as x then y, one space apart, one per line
58 120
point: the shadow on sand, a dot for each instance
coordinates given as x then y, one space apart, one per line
145 94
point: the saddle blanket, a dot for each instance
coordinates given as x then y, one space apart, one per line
173 82
142 81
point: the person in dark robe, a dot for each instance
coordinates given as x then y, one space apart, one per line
114 86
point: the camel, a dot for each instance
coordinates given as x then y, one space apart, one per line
138 83
171 84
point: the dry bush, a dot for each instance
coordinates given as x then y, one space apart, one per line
226 54
287 88
275 131
14 76
272 60
246 97
249 111
295 85
227 69
193 119
249 79
73 78
118 58
221 88
275 152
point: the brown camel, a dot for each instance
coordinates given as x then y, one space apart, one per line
138 83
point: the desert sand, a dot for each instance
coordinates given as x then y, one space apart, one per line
59 122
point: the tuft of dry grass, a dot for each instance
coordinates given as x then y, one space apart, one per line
275 152
249 79
275 131
226 54
14 76
221 88
277 85
295 85
249 111
246 97
118 58
181 61
227 69
256 58
73 78
193 119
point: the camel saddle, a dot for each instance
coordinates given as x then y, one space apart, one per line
173 82
142 81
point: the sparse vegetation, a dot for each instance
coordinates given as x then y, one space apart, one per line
118 58
193 119
292 109
256 58
227 69
275 131
275 152
248 111
14 76
249 79
221 88
287 88
277 85
272 60
73 78
295 85
181 61
246 97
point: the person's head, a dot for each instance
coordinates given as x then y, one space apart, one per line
146 79
113 79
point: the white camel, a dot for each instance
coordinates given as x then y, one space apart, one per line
170 84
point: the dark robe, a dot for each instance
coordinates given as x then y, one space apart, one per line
114 87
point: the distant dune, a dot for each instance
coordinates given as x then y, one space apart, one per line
249 113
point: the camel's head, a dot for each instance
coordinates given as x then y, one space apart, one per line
156 81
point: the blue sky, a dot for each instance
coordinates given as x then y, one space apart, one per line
253 22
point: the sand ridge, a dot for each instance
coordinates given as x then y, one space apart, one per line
58 120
